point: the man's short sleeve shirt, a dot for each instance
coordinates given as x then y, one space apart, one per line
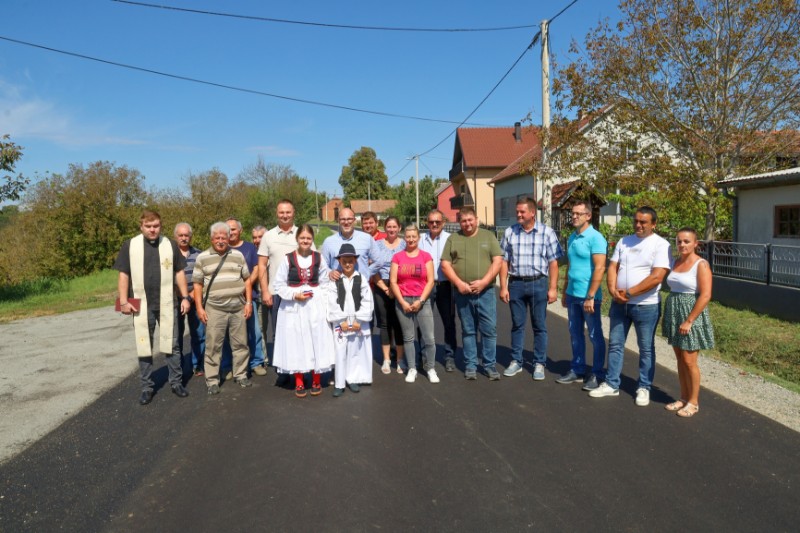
471 257
581 248
637 258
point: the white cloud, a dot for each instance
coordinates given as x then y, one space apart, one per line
23 117
272 150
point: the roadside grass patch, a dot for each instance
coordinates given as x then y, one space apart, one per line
48 296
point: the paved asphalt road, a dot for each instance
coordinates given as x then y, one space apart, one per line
512 455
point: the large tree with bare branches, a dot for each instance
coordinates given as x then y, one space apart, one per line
717 80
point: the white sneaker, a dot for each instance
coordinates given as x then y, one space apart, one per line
603 390
411 376
433 376
642 397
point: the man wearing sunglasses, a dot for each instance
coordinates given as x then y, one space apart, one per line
442 296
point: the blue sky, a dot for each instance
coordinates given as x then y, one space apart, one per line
64 110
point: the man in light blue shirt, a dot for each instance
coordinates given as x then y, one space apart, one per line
442 295
367 250
586 260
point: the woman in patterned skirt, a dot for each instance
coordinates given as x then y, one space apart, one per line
686 323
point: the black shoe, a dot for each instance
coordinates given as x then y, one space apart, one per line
354 387
180 391
146 397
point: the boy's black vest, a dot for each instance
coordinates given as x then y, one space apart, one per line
300 276
341 293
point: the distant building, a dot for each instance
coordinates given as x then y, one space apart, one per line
329 212
478 156
379 207
444 193
766 208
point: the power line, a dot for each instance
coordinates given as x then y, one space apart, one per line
533 42
230 87
323 24
496 85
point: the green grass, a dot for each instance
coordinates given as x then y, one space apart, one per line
56 296
755 343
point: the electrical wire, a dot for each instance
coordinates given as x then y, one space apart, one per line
324 24
533 42
231 87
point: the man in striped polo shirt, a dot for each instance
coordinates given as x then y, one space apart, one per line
227 306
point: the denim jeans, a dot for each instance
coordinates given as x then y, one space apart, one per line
409 323
254 343
644 319
594 323
442 294
528 296
478 312
197 336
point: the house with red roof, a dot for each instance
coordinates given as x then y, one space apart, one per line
479 155
443 194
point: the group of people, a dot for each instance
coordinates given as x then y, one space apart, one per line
322 304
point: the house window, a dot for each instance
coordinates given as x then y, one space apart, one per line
787 221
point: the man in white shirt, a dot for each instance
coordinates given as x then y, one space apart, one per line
274 246
638 266
442 295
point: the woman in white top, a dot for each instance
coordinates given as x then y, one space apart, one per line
303 339
686 323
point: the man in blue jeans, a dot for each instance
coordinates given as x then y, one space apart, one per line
586 264
638 266
528 283
471 260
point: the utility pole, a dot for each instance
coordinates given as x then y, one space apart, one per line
316 203
416 181
416 184
545 24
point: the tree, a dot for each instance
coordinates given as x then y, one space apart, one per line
364 175
271 183
11 185
89 211
406 194
717 80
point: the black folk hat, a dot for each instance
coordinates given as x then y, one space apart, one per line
347 250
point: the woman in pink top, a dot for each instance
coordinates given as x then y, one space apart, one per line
411 280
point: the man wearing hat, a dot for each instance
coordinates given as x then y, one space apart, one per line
350 308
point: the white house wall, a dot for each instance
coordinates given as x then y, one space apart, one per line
756 216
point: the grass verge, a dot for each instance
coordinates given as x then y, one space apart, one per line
47 296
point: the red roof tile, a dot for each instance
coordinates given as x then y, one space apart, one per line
493 147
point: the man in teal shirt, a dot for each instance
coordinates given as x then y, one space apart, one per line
586 260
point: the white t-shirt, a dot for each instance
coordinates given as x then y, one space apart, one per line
637 258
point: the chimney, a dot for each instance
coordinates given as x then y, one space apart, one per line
518 132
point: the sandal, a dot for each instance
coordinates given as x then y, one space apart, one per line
386 368
316 390
300 391
689 410
675 406
399 369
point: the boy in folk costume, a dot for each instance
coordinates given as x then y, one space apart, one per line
349 312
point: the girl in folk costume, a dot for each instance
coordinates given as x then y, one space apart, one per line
350 308
303 338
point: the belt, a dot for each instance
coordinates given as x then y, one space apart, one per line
437 283
526 278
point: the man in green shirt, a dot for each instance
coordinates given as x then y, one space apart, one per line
471 260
